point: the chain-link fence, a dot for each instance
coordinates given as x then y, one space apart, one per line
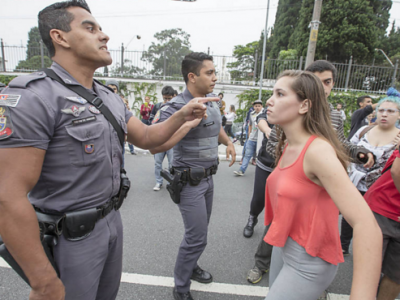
139 65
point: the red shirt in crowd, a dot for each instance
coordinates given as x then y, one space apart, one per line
146 110
298 208
383 196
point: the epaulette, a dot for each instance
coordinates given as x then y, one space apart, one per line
177 100
107 87
23 81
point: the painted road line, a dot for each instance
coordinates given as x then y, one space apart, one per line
214 287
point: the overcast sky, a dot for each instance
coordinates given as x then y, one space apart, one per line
218 24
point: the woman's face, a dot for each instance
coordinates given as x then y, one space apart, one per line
283 106
388 114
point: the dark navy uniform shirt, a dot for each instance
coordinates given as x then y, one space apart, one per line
81 168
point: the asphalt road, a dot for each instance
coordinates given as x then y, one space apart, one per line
153 230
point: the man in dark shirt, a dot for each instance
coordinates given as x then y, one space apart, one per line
358 118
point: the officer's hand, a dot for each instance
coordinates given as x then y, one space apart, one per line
195 109
370 161
192 124
230 151
53 290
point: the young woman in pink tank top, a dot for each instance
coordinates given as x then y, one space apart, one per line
304 195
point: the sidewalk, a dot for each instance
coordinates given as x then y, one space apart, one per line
221 151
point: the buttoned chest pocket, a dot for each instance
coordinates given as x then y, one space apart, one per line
87 145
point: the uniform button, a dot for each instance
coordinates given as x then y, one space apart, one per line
82 227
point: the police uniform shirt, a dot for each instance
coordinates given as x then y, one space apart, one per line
81 168
207 127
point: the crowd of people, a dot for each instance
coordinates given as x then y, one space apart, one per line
62 138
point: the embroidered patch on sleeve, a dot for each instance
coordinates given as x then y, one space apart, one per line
6 125
9 100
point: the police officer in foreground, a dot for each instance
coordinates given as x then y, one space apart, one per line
195 160
63 151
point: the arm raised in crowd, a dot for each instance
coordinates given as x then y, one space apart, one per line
396 171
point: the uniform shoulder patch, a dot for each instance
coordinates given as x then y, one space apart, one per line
23 81
6 126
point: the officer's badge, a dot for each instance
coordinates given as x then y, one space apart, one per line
9 100
6 126
74 110
89 149
79 100
156 117
93 110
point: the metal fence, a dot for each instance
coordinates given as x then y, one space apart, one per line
137 65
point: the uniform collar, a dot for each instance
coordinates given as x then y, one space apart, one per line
69 80
187 96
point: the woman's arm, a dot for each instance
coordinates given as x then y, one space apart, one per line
322 166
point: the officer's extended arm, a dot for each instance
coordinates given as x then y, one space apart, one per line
19 227
149 137
263 126
180 134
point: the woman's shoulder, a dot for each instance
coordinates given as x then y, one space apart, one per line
320 149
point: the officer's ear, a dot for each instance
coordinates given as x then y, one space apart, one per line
192 77
59 38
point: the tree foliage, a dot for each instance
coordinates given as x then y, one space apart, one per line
174 44
348 28
243 68
33 64
286 20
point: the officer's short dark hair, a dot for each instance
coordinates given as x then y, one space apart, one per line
361 99
56 16
167 91
322 66
193 62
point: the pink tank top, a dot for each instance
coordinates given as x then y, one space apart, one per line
297 207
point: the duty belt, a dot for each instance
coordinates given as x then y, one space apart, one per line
187 171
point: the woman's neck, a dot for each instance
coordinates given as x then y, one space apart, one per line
295 133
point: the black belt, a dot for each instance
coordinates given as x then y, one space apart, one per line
185 172
105 209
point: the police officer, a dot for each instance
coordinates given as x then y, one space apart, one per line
195 155
62 150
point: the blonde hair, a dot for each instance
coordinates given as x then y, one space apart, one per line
317 120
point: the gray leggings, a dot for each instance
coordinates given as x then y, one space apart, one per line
296 275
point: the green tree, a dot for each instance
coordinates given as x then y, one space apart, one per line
381 16
174 44
347 29
33 64
129 70
243 68
286 19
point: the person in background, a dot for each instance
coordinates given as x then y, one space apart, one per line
359 117
304 194
145 110
221 104
230 117
339 108
131 147
167 94
380 140
383 199
251 145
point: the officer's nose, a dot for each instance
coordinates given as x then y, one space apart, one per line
104 37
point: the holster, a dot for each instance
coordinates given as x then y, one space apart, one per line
175 184
123 189
79 224
50 223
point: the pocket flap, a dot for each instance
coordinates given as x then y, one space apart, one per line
86 132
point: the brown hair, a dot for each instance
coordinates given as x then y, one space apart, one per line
317 120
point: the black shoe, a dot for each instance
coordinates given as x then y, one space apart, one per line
201 276
346 252
182 296
249 228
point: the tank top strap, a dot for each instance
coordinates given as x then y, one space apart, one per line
303 152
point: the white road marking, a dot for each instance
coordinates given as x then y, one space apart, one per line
214 287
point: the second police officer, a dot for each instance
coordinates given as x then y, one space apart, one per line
195 160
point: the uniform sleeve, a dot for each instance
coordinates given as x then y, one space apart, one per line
165 112
31 121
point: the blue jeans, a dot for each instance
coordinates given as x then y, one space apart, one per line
131 148
251 147
159 158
